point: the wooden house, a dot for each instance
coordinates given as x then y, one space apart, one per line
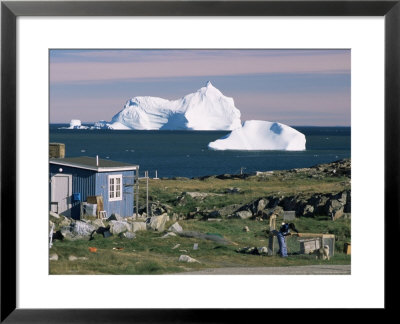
73 180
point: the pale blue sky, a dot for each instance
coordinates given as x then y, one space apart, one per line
294 87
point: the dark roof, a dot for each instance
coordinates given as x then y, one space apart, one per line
86 162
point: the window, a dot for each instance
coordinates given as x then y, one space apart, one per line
115 187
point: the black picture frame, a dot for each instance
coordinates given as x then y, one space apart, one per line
10 10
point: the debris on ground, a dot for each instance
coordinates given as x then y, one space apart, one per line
53 257
176 246
92 249
253 250
118 248
186 258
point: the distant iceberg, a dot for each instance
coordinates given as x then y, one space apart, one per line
259 135
75 124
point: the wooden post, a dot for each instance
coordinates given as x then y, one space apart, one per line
137 193
147 192
272 227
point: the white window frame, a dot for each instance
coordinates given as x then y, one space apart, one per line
112 191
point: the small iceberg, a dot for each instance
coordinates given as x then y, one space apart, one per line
259 135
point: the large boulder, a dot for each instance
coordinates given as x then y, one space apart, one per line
244 214
138 226
175 228
117 227
157 223
81 229
186 258
97 223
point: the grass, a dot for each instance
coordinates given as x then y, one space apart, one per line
280 183
148 253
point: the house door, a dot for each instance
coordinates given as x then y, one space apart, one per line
61 191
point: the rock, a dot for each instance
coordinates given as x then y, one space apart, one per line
174 217
186 258
308 211
54 215
65 221
72 258
128 235
233 190
244 214
138 226
261 205
66 232
262 250
214 219
115 217
117 227
97 223
81 229
175 228
246 229
157 223
176 246
53 257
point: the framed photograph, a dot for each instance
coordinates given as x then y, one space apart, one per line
288 112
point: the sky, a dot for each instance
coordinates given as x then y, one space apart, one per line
293 87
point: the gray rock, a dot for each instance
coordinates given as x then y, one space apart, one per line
186 258
65 221
53 257
261 205
115 217
262 250
81 229
244 214
157 223
138 226
128 235
72 258
175 228
117 227
246 229
54 215
97 223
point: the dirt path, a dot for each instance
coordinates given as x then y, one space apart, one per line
294 270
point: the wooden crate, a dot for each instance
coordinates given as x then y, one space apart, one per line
309 245
57 150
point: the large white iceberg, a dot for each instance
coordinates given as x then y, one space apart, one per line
258 135
206 109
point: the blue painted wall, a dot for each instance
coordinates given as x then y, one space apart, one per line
91 183
122 207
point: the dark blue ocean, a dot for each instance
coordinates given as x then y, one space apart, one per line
185 153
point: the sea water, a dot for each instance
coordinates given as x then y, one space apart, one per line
185 153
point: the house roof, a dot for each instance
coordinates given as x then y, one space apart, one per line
90 163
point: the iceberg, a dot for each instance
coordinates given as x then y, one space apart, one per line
259 135
75 124
205 109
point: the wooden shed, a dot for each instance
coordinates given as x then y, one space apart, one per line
73 180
